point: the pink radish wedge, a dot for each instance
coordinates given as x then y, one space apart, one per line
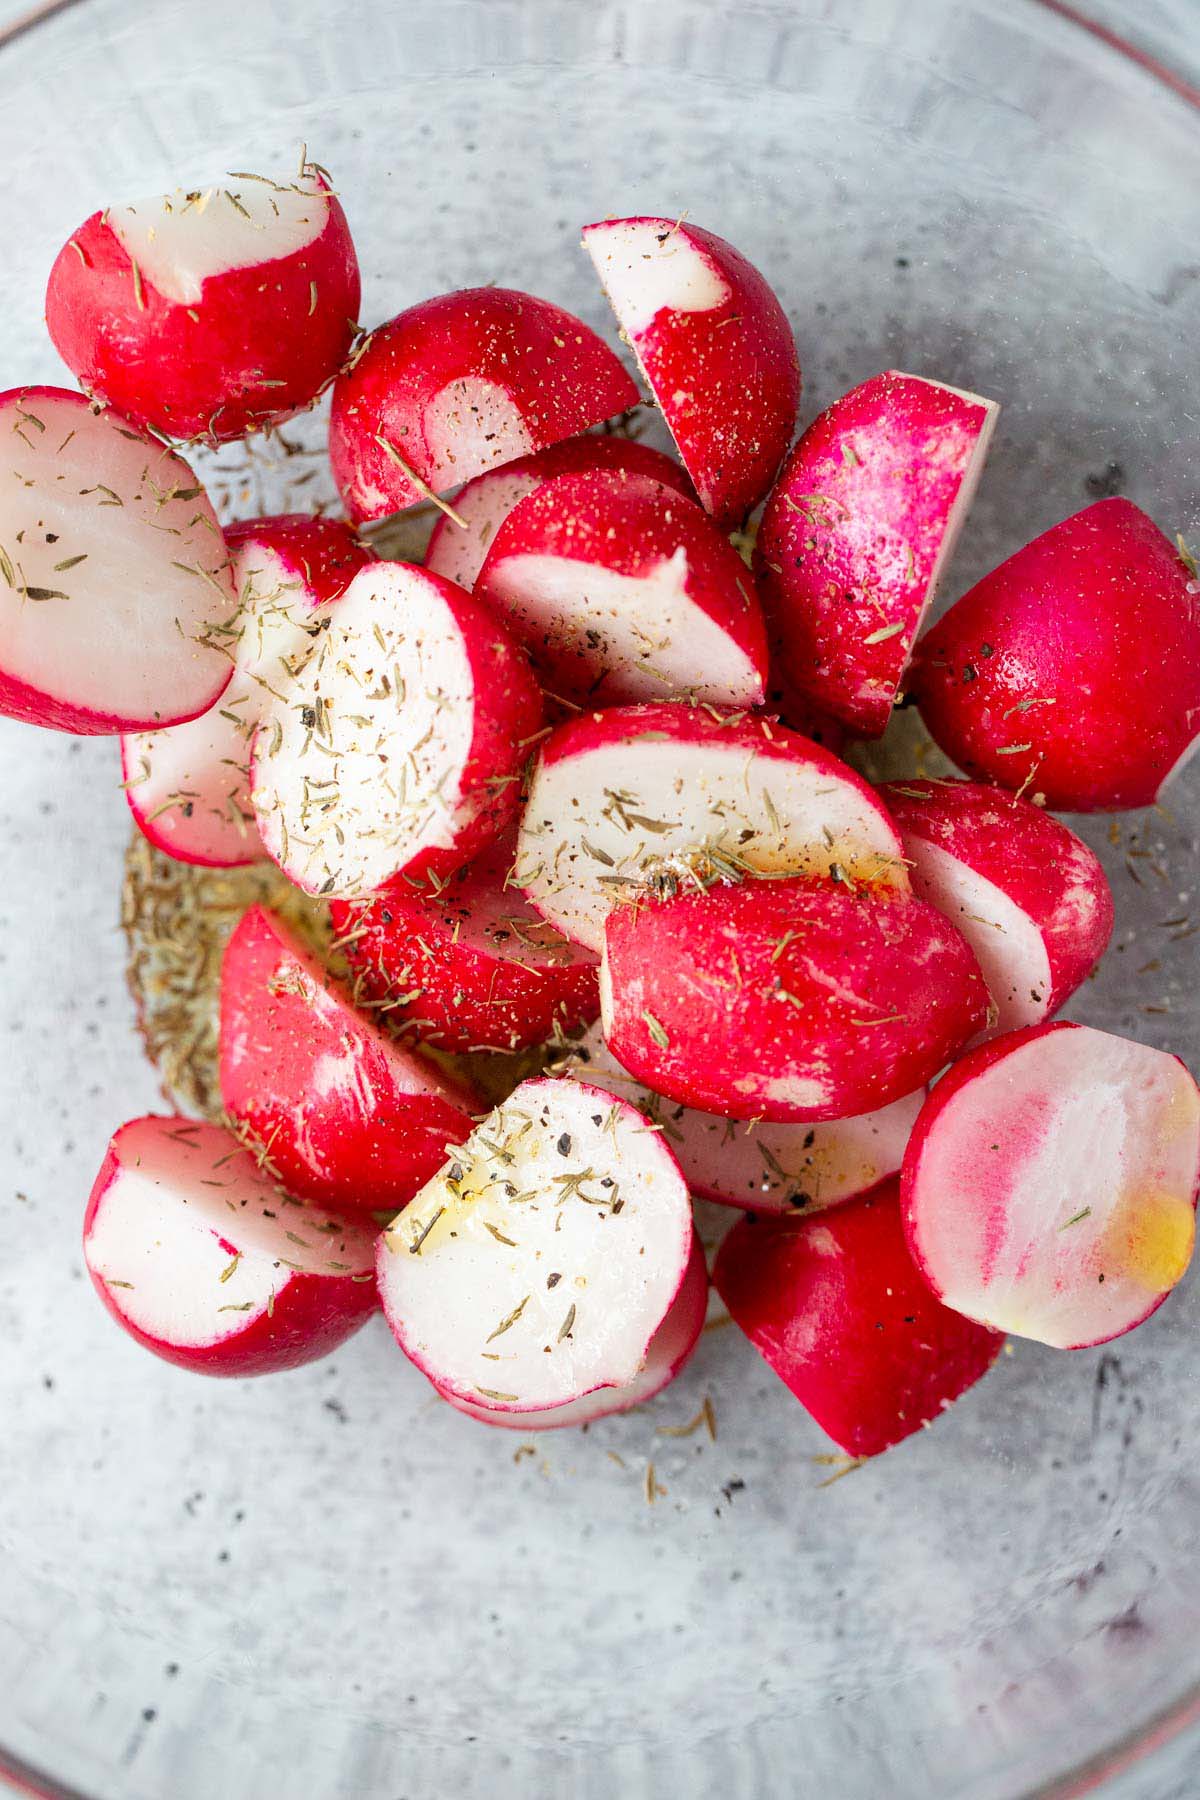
538 1265
637 796
116 604
858 532
1029 897
396 749
211 312
715 347
460 384
836 1307
204 1260
189 787
1073 668
338 1112
1050 1183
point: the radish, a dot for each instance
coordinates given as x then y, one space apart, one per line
456 550
787 1000
205 1261
337 1111
397 747
715 347
836 1307
116 604
209 312
1028 896
858 532
189 787
760 1167
642 795
460 384
1074 667
1050 1183
541 1261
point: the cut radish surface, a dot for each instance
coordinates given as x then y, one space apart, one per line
622 590
639 794
460 384
336 1110
845 1320
205 1261
397 747
116 604
858 532
1029 897
189 787
715 347
538 1266
211 312
1050 1183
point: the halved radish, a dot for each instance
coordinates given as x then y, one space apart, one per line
859 530
456 550
638 795
337 1111
540 1263
836 1307
620 589
189 787
462 383
397 747
209 312
1074 667
1050 1183
1029 897
787 1000
715 347
207 1262
116 603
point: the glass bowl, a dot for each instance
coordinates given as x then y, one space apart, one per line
329 1584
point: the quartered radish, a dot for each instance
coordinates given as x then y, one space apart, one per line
837 1309
116 603
209 312
642 795
539 1264
1073 668
188 787
460 384
207 1262
1030 898
858 532
715 347
620 589
396 749
1050 1183
336 1111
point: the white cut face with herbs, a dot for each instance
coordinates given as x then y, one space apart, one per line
178 241
645 269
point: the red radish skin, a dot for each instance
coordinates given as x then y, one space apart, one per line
340 1114
396 751
196 320
1029 897
787 1000
116 603
1050 1183
715 347
858 532
1073 668
640 793
457 550
203 1259
461 384
838 1310
189 787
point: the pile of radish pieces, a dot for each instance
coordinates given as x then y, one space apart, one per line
574 780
